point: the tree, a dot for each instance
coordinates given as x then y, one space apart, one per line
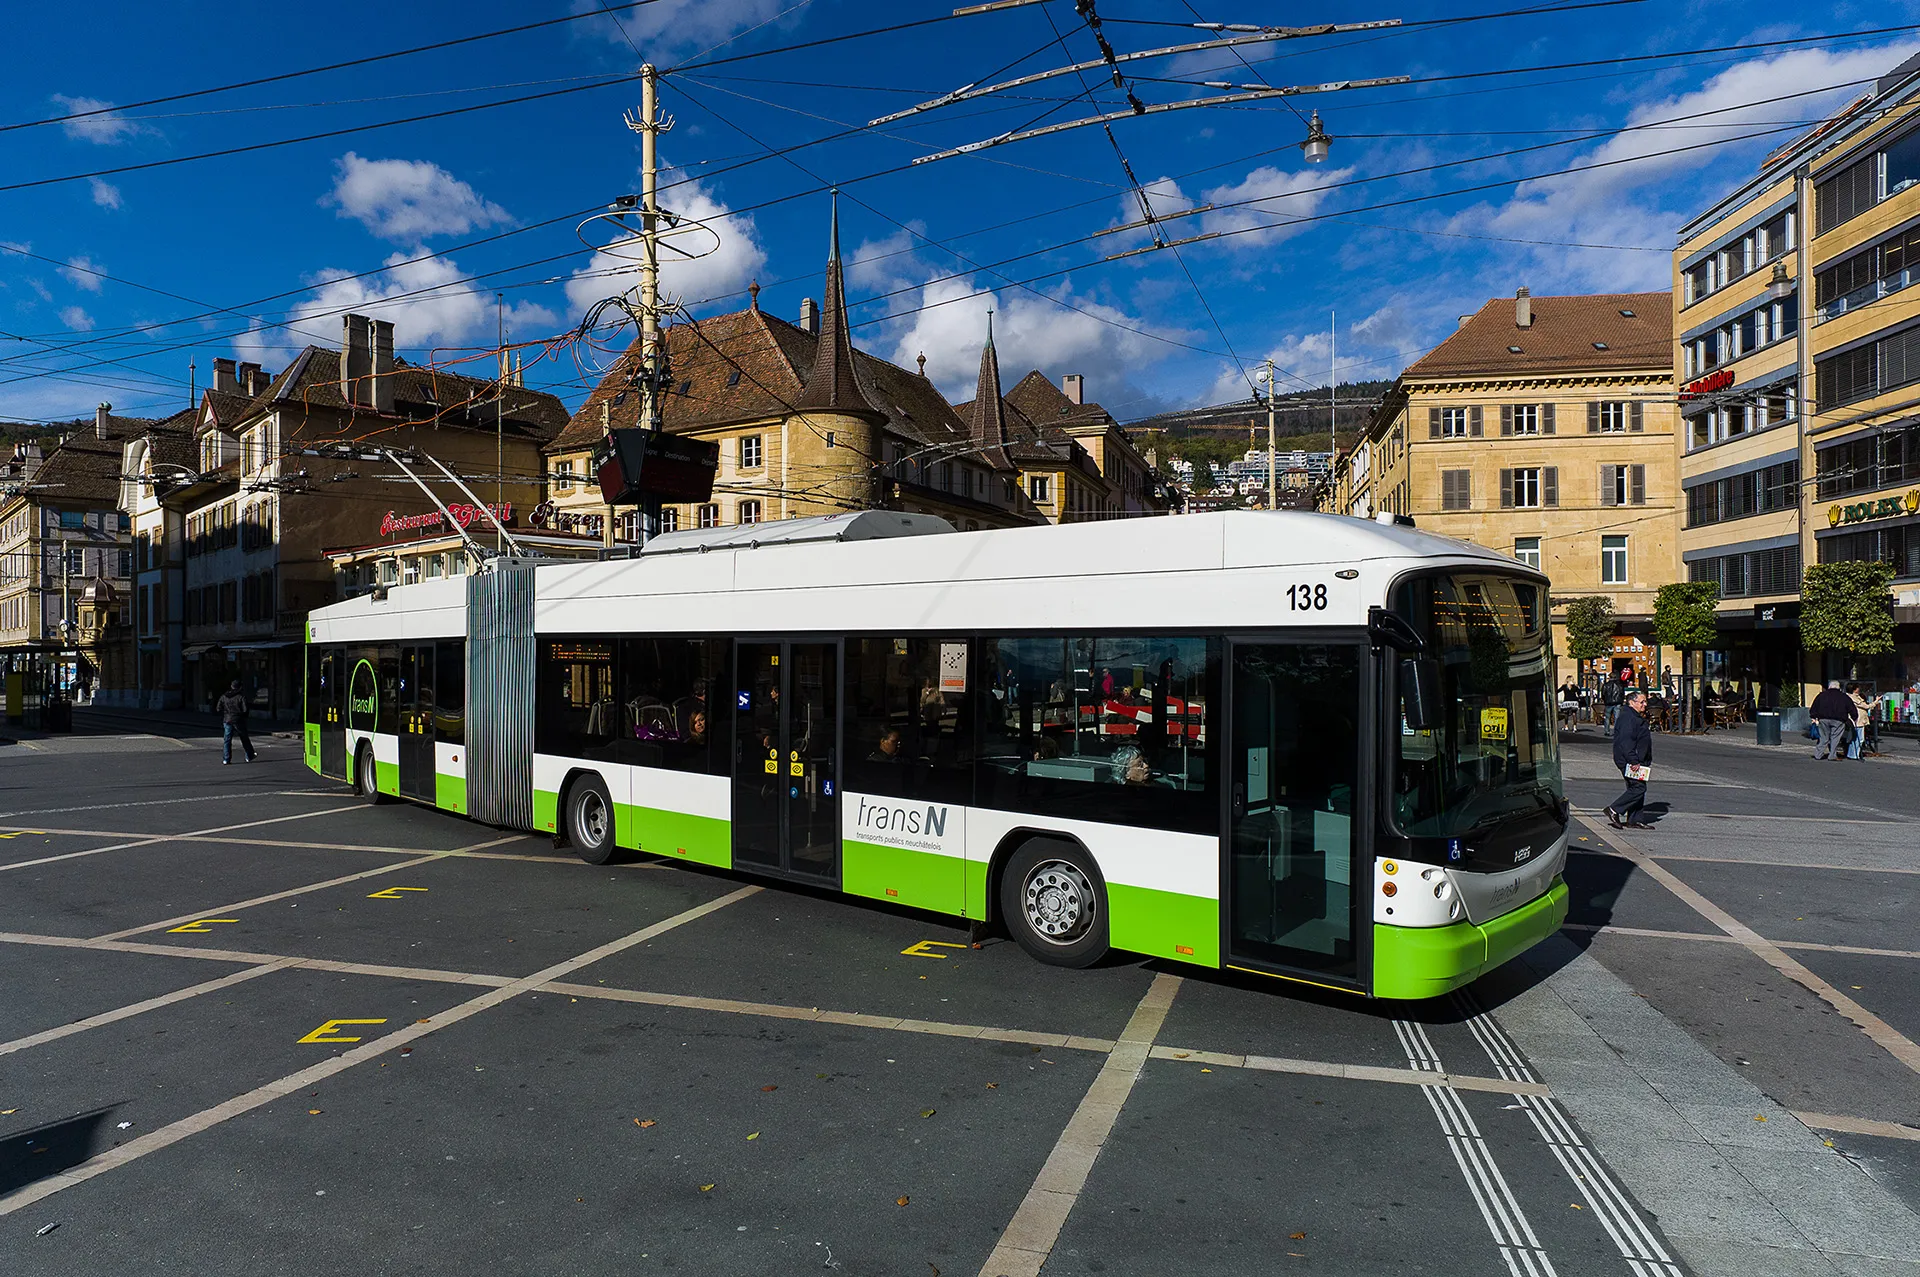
1590 626
1844 608
1685 616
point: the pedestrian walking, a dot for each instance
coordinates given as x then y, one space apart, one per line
232 709
1862 715
1614 695
1832 710
1633 755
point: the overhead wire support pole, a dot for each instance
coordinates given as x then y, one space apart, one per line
1229 99
1266 35
653 359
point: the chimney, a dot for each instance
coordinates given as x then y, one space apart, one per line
1464 319
223 375
1522 308
382 389
100 420
249 374
356 360
1075 387
809 316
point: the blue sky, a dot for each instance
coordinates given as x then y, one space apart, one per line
133 274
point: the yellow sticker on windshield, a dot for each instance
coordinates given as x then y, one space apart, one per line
1493 724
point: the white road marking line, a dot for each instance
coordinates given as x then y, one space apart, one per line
140 1008
1858 1126
150 841
237 906
1352 1072
1788 864
1029 1237
163 802
1811 946
173 1132
1633 1236
1506 1220
1888 1038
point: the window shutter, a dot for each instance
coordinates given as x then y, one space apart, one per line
1506 419
1546 418
1636 416
1639 482
1433 423
1463 489
1593 417
1606 484
1475 426
1446 489
1550 485
1506 489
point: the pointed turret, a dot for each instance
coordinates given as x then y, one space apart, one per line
989 413
834 385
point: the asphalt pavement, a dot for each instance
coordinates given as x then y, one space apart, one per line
248 1024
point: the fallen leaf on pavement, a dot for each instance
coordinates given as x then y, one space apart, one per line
754 1136
313 1112
706 1188
928 1112
1759 1117
993 1086
1576 1205
900 1201
1296 1237
770 1088
644 1123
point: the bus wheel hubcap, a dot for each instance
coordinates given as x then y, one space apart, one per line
593 820
1059 902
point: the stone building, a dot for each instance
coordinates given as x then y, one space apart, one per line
1543 427
1798 344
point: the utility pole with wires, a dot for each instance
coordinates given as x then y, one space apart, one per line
1333 391
653 371
1273 478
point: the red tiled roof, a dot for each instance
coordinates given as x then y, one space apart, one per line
1604 332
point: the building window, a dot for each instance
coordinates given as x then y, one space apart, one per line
750 453
1775 487
670 519
76 562
749 512
1526 419
1454 423
126 563
1623 485
1530 487
1899 546
1758 572
1615 417
1847 194
710 516
563 476
1527 550
1040 488
1613 560
1456 489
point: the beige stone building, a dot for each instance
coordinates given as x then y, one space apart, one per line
1543 427
807 424
1795 287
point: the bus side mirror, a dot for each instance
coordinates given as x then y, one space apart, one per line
1420 693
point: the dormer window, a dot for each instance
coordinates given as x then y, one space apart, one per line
1599 345
1626 314
1514 350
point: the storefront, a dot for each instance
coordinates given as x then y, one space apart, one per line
268 673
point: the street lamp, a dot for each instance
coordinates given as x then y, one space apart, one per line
1781 285
1317 143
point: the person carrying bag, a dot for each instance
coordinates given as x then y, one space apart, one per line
1633 755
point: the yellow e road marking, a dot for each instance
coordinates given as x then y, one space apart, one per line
200 925
922 949
325 1033
392 893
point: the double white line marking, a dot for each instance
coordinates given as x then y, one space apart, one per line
1636 1240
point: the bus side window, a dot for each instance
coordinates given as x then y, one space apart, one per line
450 688
665 715
910 717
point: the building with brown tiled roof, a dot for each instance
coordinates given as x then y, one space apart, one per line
278 473
1544 428
66 565
806 423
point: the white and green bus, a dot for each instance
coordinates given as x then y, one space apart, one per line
1306 746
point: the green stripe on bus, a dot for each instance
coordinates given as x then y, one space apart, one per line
703 839
1425 962
313 745
917 878
450 792
546 810
973 890
387 777
1165 924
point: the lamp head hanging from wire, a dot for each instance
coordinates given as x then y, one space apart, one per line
1318 142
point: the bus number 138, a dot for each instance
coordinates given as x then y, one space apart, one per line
1307 598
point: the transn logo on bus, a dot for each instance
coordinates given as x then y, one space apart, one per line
363 705
910 826
882 818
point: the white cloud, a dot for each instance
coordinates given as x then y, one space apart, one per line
880 265
1643 200
109 129
409 200
1028 332
1267 197
77 319
679 24
105 194
45 293
737 258
1374 347
77 271
423 299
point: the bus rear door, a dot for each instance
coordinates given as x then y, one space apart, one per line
416 722
328 708
786 779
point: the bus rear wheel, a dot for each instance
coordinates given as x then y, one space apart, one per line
366 776
590 821
1054 903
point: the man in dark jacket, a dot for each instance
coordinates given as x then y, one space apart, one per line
1632 752
1833 710
232 709
1614 695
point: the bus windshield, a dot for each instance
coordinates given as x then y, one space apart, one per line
1489 752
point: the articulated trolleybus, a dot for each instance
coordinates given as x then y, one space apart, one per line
1306 746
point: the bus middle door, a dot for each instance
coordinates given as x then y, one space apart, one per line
330 712
786 780
416 722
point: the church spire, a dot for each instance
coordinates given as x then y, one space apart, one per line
834 385
989 412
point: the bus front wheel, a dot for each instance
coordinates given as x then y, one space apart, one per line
590 821
1053 902
366 776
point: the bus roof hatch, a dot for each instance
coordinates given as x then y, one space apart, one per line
855 525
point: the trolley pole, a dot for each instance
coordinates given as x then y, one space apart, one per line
1273 488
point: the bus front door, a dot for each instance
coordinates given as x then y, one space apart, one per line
329 710
786 780
1292 852
416 722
